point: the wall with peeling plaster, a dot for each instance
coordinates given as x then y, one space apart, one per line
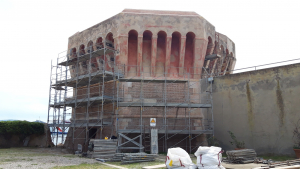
259 107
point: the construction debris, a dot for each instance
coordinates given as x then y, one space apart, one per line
102 149
127 158
241 156
284 163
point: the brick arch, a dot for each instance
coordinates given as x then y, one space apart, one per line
210 46
99 43
225 60
90 47
161 53
109 40
189 52
99 59
132 52
81 50
146 52
175 54
73 53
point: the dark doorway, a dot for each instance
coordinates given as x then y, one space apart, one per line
92 133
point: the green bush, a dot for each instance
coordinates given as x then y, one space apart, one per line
21 127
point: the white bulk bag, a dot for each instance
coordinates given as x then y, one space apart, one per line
209 157
179 158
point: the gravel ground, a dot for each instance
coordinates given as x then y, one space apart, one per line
38 158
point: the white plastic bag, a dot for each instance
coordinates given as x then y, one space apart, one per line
209 157
179 158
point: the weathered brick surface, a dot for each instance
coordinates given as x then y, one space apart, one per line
151 44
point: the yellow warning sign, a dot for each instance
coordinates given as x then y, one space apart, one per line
152 122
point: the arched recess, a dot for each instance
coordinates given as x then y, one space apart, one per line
161 53
81 50
189 52
94 64
132 52
209 51
109 41
230 60
83 64
109 58
90 47
175 52
73 53
212 64
210 46
225 61
99 43
147 44
222 53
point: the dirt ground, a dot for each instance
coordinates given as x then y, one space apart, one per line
38 158
56 157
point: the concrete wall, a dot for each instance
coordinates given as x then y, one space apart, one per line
259 107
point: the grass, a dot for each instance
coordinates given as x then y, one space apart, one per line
28 152
277 158
85 166
137 165
98 165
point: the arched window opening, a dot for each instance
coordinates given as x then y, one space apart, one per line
99 43
73 53
230 60
132 52
175 52
147 45
81 50
213 62
210 46
225 61
189 52
219 65
209 51
161 53
90 48
109 41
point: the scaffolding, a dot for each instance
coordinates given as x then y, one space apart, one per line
90 95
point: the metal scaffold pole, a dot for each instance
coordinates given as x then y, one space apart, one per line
117 111
49 104
165 112
65 96
102 93
75 106
88 100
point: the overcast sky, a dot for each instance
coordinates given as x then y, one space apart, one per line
32 33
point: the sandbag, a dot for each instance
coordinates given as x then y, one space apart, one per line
209 157
178 158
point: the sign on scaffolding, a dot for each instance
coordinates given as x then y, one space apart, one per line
152 122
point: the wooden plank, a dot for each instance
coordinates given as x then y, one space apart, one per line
155 166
